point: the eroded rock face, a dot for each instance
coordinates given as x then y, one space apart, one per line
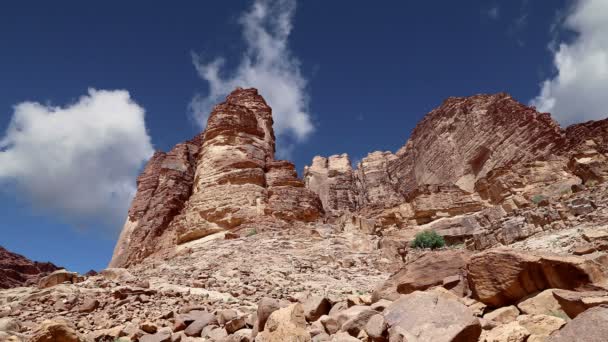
455 145
332 180
503 276
224 178
17 270
162 191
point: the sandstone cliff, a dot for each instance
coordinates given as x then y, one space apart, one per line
224 178
479 154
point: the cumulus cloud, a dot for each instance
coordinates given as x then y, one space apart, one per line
577 92
267 64
78 161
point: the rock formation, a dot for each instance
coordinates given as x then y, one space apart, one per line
17 270
223 178
225 243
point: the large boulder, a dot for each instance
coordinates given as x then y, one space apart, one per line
51 331
286 324
590 326
540 303
432 317
58 277
427 271
503 276
573 302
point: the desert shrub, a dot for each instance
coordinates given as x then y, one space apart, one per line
537 198
591 183
428 239
252 232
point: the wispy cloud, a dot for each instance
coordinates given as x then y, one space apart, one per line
268 65
577 91
80 161
519 24
493 12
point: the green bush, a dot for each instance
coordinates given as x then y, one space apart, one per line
537 198
428 239
252 232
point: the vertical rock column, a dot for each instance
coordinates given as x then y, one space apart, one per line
230 184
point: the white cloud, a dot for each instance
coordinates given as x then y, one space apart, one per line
493 12
578 91
79 161
267 65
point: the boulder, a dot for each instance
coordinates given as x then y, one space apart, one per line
376 327
503 315
354 319
432 317
574 303
429 270
160 336
315 306
540 326
503 276
540 303
510 332
57 277
89 305
201 320
285 324
266 306
589 326
51 331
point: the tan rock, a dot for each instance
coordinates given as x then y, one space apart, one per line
503 315
315 306
286 324
540 326
51 331
574 303
510 332
330 324
376 327
354 319
432 317
57 277
266 307
541 303
589 326
89 305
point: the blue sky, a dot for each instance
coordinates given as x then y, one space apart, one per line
361 77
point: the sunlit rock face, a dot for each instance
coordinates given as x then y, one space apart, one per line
456 144
222 179
467 156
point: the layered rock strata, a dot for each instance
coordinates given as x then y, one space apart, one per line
224 178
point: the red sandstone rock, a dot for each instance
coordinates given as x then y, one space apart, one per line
223 179
17 270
